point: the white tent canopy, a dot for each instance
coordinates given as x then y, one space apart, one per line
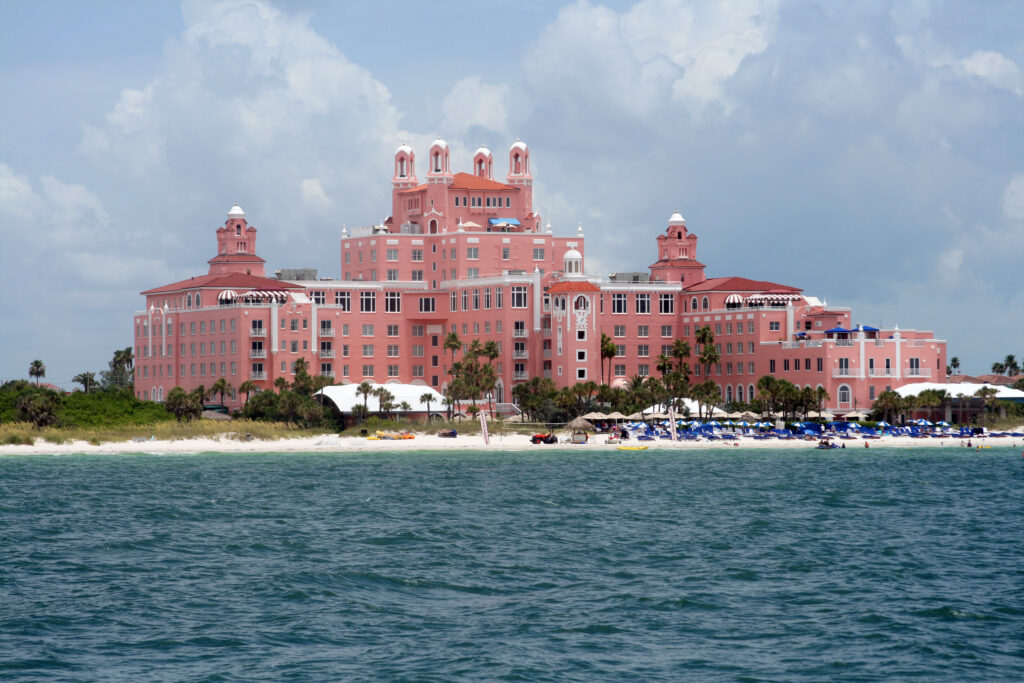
689 403
345 397
965 388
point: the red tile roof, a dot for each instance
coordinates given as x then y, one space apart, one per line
740 284
573 287
468 181
225 281
236 258
679 262
418 188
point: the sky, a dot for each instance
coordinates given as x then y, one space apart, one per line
870 153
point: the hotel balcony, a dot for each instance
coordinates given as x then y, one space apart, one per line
326 331
257 376
329 353
328 373
523 376
254 353
520 354
919 372
851 373
547 353
257 332
844 342
881 372
547 374
520 334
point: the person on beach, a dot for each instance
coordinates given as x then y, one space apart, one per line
867 445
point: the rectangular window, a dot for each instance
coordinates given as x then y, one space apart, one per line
367 350
642 330
487 300
643 350
807 363
418 330
418 351
392 275
620 350
666 330
392 330
319 297
643 370
728 368
392 350
472 273
750 347
344 350
343 299
367 329
367 371
785 365
619 370
368 302
718 329
473 253
417 371
417 254
393 370
820 365
295 346
774 326
518 296
499 294
391 254
771 366
202 327
620 331
750 328
618 303
643 303
538 253
392 302
728 349
666 303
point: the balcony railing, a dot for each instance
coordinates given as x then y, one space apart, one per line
257 376
813 344
547 374
257 353
328 373
327 353
519 334
547 353
881 372
919 372
326 331
849 372
523 376
844 342
520 354
257 332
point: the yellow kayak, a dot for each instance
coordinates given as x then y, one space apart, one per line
632 448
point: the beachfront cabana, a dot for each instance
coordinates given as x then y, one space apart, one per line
344 397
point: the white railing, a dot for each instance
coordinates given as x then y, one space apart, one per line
522 376
257 332
326 331
328 373
520 334
847 373
257 376
881 372
520 354
919 372
328 353
257 354
547 374
813 344
791 345
844 342
547 353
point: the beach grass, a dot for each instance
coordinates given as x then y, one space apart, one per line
23 433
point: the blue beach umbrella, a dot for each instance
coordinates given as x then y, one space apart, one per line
883 423
943 424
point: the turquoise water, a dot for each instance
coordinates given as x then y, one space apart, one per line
540 565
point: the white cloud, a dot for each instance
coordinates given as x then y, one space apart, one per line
472 102
994 69
1013 198
18 201
313 194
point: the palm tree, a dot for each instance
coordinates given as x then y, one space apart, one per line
365 389
247 387
1011 366
427 397
281 384
954 363
453 344
821 395
767 389
988 398
37 369
221 387
86 379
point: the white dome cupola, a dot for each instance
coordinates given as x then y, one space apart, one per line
483 163
676 219
439 164
236 212
573 263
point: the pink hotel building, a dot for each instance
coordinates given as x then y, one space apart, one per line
464 252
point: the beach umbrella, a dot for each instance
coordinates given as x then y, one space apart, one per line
634 416
924 423
580 424
595 416
743 423
943 424
616 416
883 423
714 423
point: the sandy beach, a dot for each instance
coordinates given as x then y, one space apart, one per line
330 443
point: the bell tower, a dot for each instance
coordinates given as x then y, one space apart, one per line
236 247
677 255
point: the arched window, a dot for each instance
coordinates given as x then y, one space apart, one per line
401 167
728 393
515 165
739 393
704 304
188 301
581 303
844 393
693 303
198 304
437 162
238 229
433 226
750 392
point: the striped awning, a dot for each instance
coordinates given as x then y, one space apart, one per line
773 298
227 295
265 294
734 299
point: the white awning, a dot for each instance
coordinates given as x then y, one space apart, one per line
227 295
265 294
734 299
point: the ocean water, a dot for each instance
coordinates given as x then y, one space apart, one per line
542 565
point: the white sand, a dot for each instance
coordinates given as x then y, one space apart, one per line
331 443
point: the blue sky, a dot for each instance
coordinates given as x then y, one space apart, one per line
870 153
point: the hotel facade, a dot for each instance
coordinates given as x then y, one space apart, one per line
466 253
